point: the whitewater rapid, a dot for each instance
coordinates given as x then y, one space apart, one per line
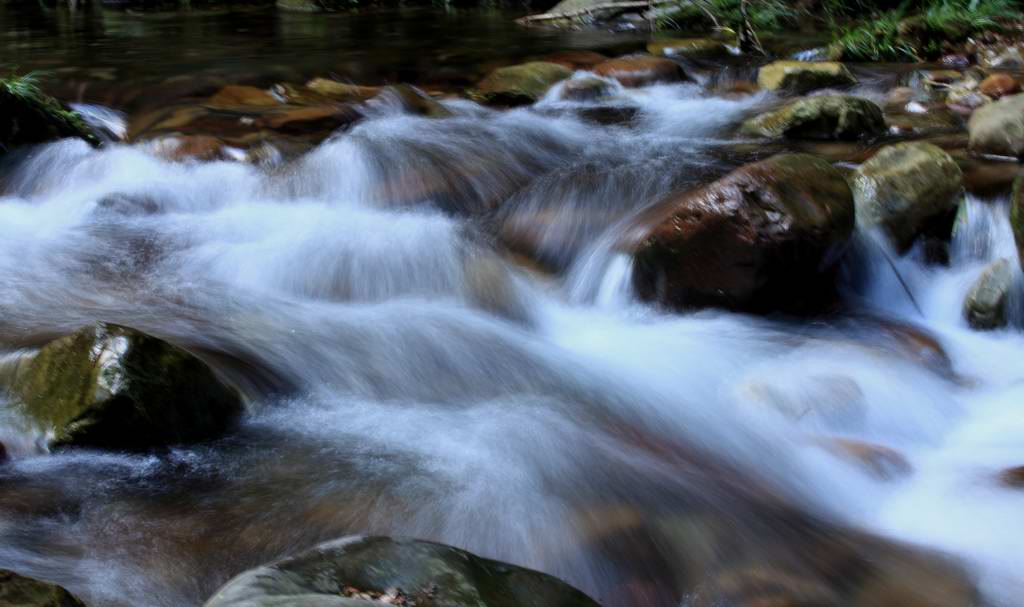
406 376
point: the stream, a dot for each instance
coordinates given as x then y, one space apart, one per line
407 376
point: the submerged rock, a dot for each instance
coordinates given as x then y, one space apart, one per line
415 101
1012 478
985 304
765 237
904 187
998 128
520 84
825 117
693 48
588 88
111 387
233 96
19 591
341 91
355 570
28 116
803 77
641 70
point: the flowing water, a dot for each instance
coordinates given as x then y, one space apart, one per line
407 377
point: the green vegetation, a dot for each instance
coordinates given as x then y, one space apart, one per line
764 15
32 116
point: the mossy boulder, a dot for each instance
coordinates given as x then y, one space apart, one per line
763 238
803 77
641 70
829 117
998 128
520 84
985 304
20 591
111 387
904 187
692 48
353 571
28 116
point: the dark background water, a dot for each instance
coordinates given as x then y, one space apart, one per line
100 54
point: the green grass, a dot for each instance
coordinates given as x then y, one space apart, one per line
765 15
901 34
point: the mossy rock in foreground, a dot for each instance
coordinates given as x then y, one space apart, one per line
19 591
520 84
434 575
28 116
111 387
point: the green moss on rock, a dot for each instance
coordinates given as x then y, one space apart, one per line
20 591
112 387
520 84
29 116
830 117
803 76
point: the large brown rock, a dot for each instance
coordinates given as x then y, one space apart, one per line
803 76
998 128
641 70
765 237
520 84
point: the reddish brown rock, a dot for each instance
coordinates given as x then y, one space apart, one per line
999 85
1012 478
641 70
576 60
764 237
243 96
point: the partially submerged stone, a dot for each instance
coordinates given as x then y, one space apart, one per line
803 76
765 237
342 91
641 70
998 128
415 101
111 387
692 48
905 186
233 96
20 591
985 304
832 117
28 116
520 84
353 571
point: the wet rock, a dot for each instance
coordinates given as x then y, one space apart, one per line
904 187
415 101
764 586
934 120
879 461
831 401
310 119
341 91
1017 215
985 304
19 591
825 117
431 574
576 60
641 70
898 581
691 48
933 77
585 89
28 116
765 237
803 77
520 84
998 128
112 387
3 453
197 148
234 96
1012 478
999 85
899 97
964 100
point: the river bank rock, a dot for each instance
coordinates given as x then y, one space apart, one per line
830 117
520 84
985 304
640 70
905 186
111 387
802 77
28 116
690 48
354 570
20 591
999 85
764 237
998 128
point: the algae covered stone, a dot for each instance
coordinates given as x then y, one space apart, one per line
903 187
829 117
20 591
985 304
111 387
803 76
998 128
352 571
520 84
